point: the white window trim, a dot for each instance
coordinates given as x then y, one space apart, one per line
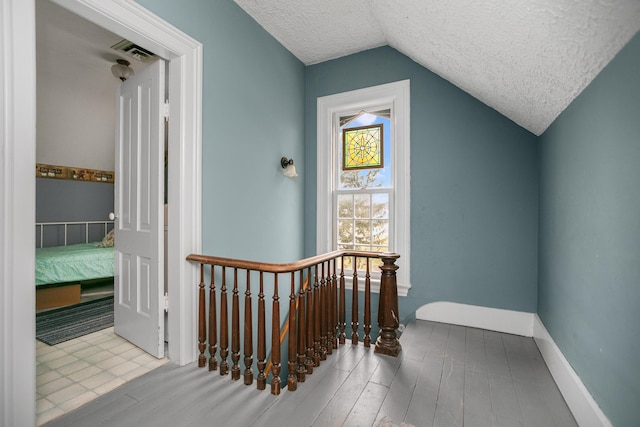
397 95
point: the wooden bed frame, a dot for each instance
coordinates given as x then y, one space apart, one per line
67 293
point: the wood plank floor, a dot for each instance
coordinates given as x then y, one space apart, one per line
446 375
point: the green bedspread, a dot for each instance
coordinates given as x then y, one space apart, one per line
73 263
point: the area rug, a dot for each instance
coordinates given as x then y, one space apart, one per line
66 323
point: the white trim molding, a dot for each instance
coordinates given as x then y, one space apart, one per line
17 212
493 319
396 95
130 20
582 405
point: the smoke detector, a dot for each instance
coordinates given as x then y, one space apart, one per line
134 51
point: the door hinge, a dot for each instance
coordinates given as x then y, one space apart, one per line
166 110
166 302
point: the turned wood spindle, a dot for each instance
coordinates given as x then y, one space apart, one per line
248 333
262 345
367 306
323 315
275 339
224 326
309 361
328 309
342 309
202 326
334 307
354 303
301 369
292 377
213 325
316 319
235 328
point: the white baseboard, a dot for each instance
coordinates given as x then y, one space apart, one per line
582 405
584 408
493 319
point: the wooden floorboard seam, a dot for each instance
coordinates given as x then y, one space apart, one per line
445 375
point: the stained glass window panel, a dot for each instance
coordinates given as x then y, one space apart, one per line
362 147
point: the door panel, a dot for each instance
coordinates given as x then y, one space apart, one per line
139 244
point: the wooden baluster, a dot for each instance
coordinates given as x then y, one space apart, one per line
334 305
354 304
275 339
329 310
323 316
248 333
292 377
213 325
302 330
388 316
202 326
342 309
262 347
367 307
316 319
235 328
224 326
309 360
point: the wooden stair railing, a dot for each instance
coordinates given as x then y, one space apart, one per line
316 319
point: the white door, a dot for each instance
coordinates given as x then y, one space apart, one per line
139 246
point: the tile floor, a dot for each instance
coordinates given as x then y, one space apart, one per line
75 372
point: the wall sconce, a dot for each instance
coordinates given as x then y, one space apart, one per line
289 167
122 70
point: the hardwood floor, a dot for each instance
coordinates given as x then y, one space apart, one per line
446 375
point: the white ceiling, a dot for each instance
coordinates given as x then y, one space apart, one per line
68 41
527 59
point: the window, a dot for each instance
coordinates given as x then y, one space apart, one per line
363 174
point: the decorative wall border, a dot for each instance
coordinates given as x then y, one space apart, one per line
74 174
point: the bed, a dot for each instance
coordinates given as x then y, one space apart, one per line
69 255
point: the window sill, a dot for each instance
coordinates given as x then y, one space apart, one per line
403 288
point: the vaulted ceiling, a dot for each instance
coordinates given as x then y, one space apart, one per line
527 59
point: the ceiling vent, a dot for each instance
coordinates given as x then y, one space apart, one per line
134 51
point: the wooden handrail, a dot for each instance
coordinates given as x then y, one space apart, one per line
285 268
316 319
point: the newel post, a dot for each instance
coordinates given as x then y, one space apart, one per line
388 318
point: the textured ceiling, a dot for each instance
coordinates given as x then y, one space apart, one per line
527 59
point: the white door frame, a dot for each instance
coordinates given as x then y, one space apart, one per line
17 187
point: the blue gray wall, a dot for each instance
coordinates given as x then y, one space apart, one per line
475 183
474 186
589 287
253 114
59 200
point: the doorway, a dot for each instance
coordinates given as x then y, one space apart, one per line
77 123
185 65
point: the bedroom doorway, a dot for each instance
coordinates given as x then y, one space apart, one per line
18 59
184 57
75 80
73 372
